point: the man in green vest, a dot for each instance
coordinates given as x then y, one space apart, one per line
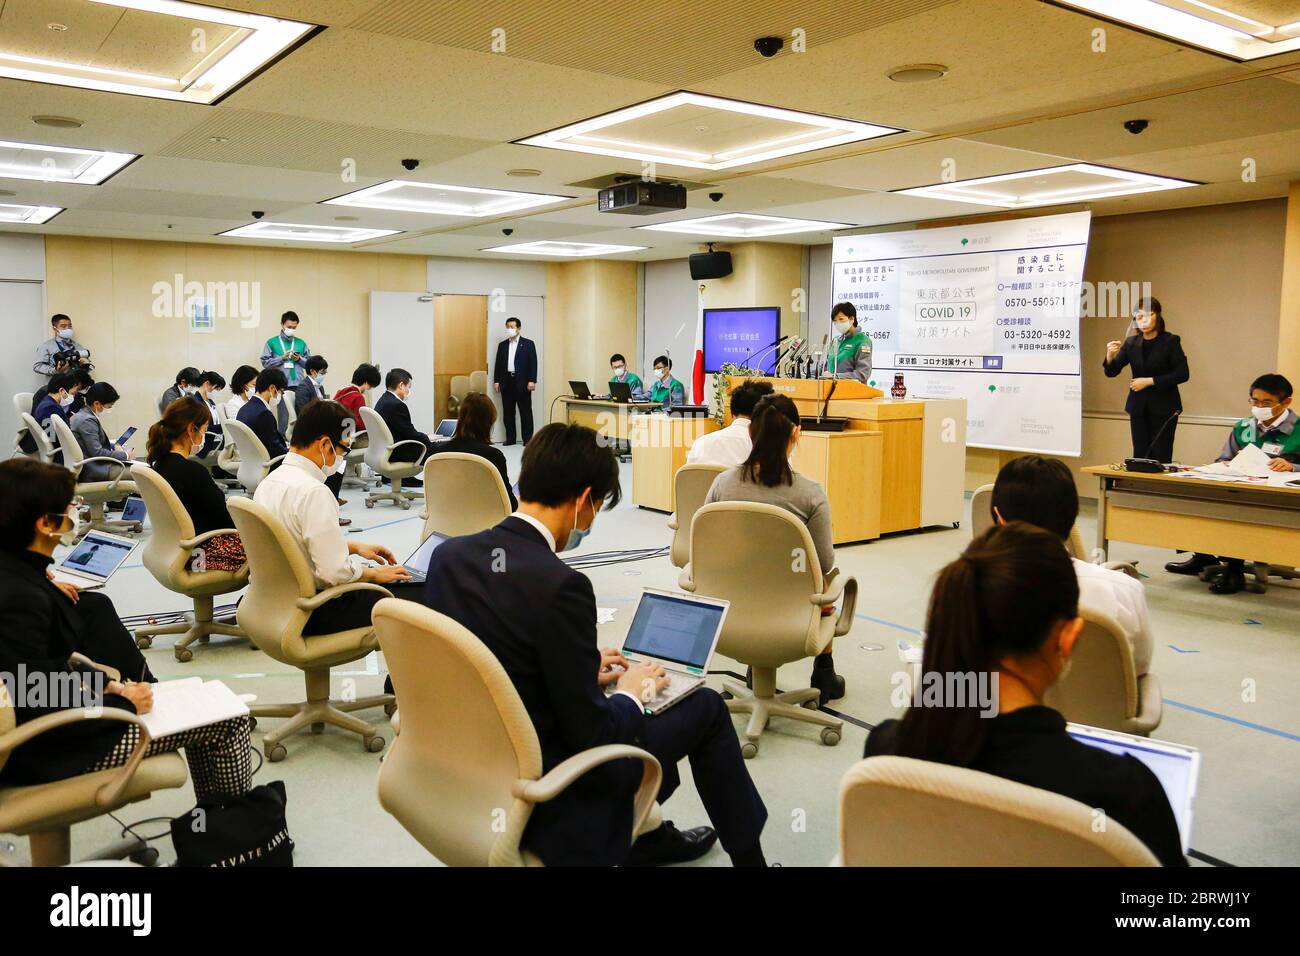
619 373
666 390
851 351
289 353
1270 427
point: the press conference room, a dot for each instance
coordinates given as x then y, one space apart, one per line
521 434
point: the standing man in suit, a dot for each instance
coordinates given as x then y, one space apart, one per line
1159 367
538 616
514 376
392 408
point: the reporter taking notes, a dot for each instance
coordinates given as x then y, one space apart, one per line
1159 367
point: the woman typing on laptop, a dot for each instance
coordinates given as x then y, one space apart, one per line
43 624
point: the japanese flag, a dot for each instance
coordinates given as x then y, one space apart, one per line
697 372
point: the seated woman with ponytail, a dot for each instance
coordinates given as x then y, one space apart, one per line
1008 610
767 478
172 440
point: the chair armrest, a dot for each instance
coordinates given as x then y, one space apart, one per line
833 585
1125 567
276 460
561 776
107 794
76 657
672 521
424 450
122 466
189 544
311 603
847 586
685 581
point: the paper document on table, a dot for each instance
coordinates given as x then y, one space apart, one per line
180 705
605 615
1253 460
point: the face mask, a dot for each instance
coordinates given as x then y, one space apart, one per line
68 532
842 327
1262 414
659 373
620 372
188 389
66 400
512 332
195 449
577 534
65 333
320 380
287 333
275 402
104 411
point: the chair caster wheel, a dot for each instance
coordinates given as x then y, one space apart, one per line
369 503
830 736
183 654
390 709
374 744
813 704
318 727
276 753
404 505
749 750
145 857
144 642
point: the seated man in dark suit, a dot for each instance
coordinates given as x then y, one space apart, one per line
258 412
311 388
392 408
538 616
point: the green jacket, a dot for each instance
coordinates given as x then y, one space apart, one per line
1282 435
669 393
631 379
853 357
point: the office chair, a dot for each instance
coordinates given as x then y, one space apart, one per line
353 477
1101 688
981 519
777 595
22 408
471 496
96 493
45 812
897 811
379 458
465 772
167 555
44 447
478 381
691 486
456 394
280 598
254 460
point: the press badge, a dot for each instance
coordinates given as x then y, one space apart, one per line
1271 448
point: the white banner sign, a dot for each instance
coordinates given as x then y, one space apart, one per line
988 313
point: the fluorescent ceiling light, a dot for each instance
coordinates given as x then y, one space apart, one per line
744 225
549 247
13 214
1077 182
685 129
235 46
59 164
297 232
1225 27
442 200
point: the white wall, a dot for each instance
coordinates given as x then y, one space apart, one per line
671 302
485 276
24 323
819 293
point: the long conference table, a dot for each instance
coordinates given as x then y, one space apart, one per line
1252 521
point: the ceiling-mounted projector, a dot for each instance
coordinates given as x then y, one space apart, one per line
642 198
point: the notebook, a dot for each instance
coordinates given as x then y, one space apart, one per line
180 705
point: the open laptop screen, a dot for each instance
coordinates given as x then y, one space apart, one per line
676 629
447 428
1175 766
418 562
97 555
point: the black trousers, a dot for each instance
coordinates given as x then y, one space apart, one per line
1153 435
515 395
352 610
412 453
106 641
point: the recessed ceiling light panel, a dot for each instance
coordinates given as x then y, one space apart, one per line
1076 182
1239 29
59 164
297 232
440 199
569 250
744 225
188 52
23 215
705 132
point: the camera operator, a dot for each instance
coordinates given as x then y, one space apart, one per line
61 353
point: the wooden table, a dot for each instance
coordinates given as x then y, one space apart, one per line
659 447
611 419
1255 522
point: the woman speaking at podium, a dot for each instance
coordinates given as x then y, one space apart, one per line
851 349
1159 367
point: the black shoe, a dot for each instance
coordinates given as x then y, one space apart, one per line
1193 565
508 442
1229 582
671 845
412 483
828 682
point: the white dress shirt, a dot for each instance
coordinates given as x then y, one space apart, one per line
728 446
1123 598
296 495
234 404
510 354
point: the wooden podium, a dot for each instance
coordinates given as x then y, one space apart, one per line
659 447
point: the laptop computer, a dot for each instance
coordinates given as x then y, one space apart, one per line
93 560
445 431
1175 766
620 391
418 562
579 389
133 509
679 632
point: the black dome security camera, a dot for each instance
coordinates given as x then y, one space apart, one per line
1136 126
507 232
769 46
258 214
410 163
716 197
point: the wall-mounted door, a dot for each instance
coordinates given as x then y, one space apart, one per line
460 327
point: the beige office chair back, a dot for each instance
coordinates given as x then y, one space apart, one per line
254 459
170 524
73 456
464 494
23 403
1100 688
771 619
44 446
691 485
897 811
381 439
981 519
478 381
457 391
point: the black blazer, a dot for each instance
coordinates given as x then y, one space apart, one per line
262 421
1166 364
39 631
397 416
525 363
1031 746
538 616
494 455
